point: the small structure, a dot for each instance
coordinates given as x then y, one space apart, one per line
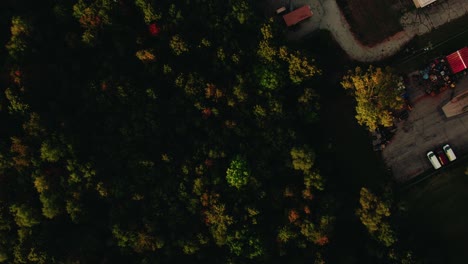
423 3
280 10
458 105
458 60
297 15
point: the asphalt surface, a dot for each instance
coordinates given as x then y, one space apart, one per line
426 129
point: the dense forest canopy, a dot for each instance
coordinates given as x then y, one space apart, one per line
138 131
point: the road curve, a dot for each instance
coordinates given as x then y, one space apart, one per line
328 16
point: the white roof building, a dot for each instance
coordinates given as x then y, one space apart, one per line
423 3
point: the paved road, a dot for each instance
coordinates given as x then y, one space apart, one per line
328 16
425 129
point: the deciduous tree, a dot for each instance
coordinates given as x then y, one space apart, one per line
303 158
178 45
377 94
25 215
20 32
149 14
238 174
374 214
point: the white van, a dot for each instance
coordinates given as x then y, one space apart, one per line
449 152
433 159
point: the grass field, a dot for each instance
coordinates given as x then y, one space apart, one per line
438 215
371 21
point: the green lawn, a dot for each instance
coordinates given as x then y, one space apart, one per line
438 215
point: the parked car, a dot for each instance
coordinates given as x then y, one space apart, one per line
449 152
433 159
442 158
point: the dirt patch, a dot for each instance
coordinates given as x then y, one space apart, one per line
371 21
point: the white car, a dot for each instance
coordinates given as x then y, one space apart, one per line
449 152
433 159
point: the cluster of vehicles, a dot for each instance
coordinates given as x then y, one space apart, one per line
441 157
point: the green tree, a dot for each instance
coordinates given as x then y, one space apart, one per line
217 219
285 234
50 151
34 127
238 174
374 214
149 15
50 204
190 247
145 55
241 11
74 209
79 172
312 179
386 235
300 67
267 77
20 32
372 210
36 256
303 158
139 241
175 14
178 45
21 153
16 102
25 216
266 50
92 16
377 93
245 243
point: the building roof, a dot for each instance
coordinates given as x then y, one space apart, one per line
458 105
297 15
458 60
423 3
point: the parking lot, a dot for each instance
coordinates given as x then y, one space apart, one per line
425 129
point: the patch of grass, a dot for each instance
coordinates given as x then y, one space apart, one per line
371 21
438 214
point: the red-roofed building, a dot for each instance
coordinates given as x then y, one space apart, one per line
458 60
297 15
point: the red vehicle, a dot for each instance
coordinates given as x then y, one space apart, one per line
442 157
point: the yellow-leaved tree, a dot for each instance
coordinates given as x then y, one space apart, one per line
300 67
374 213
377 94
